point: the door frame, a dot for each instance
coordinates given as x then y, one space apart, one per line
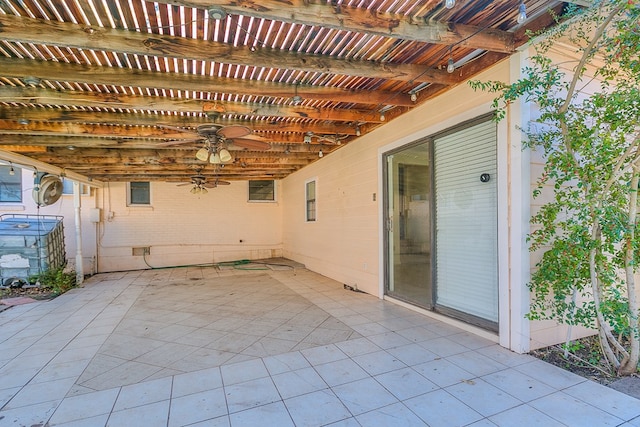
388 246
385 202
512 167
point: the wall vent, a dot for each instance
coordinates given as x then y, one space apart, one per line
141 251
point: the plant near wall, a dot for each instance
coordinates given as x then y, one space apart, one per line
57 280
590 140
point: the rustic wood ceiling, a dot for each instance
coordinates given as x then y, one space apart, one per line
116 89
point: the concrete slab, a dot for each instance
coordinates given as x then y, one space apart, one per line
17 301
269 347
628 385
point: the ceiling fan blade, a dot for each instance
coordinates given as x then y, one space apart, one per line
234 131
251 144
218 182
184 183
209 185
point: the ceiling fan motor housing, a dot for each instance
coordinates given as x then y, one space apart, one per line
209 131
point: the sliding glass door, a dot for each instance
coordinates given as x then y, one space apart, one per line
466 224
440 206
408 229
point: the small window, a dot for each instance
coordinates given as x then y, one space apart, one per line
262 191
310 196
139 193
67 187
10 184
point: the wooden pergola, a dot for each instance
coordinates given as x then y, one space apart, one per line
116 89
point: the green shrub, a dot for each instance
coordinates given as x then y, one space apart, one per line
57 280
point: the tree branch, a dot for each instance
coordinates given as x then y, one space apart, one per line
577 75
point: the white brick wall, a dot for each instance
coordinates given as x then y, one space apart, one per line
183 229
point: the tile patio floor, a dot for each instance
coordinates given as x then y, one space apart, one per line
270 347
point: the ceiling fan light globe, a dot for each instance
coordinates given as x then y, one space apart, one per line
202 154
225 156
451 67
522 13
193 190
204 190
215 159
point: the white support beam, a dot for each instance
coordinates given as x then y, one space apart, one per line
77 205
33 164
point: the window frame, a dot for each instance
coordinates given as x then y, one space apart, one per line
85 190
275 191
130 188
13 180
314 201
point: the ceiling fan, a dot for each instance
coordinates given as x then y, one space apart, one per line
217 139
200 183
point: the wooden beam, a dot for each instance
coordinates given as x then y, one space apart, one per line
65 72
341 17
184 167
266 110
31 95
177 177
23 148
101 117
185 178
463 73
166 156
38 31
127 168
537 23
476 66
114 136
72 143
88 130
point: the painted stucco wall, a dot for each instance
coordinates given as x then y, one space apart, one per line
344 243
181 228
545 333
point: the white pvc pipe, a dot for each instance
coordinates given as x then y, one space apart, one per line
77 208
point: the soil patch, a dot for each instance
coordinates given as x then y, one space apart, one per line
584 359
35 293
